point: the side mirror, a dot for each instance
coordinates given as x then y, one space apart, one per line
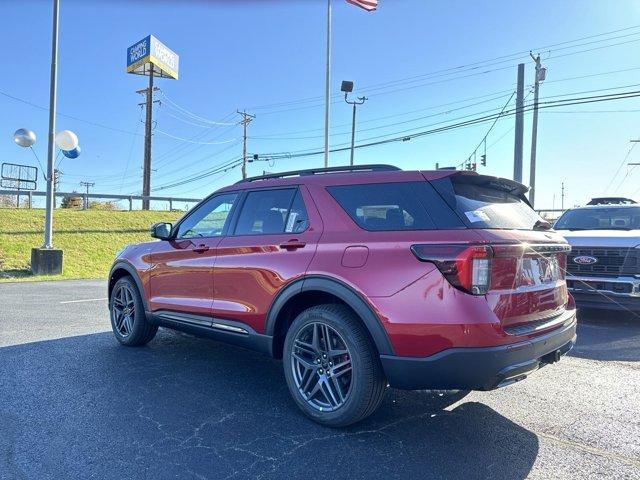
161 230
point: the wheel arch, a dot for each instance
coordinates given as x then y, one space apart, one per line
314 290
121 269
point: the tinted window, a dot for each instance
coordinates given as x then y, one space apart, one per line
208 219
627 218
298 220
385 206
487 202
264 211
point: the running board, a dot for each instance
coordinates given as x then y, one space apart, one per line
222 330
202 321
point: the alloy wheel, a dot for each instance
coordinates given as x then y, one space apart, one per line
123 310
321 366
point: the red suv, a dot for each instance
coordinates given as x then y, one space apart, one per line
359 278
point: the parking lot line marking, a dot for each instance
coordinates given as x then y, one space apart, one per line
85 300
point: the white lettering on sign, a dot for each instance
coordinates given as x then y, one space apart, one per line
138 51
164 55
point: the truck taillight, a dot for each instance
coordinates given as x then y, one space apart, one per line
465 267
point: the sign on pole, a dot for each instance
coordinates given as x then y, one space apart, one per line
150 53
19 177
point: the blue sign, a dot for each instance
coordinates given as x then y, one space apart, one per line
138 53
150 53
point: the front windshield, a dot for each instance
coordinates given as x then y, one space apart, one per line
627 218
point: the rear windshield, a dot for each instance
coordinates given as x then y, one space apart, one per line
485 202
395 206
627 218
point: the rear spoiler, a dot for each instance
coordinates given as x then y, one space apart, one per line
499 183
473 177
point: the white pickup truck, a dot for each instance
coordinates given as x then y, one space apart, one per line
603 268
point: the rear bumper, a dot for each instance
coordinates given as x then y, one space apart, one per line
482 368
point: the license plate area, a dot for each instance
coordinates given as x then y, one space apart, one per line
538 270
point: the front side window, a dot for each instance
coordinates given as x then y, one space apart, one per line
209 219
265 212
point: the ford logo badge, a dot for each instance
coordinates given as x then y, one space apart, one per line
585 260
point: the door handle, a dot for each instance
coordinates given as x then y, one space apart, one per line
201 248
292 245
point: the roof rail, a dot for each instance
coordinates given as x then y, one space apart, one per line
314 171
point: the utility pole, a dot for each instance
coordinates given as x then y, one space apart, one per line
518 146
540 76
327 87
562 196
86 198
148 120
56 185
246 120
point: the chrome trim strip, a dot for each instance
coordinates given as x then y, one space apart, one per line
202 321
635 285
186 319
229 328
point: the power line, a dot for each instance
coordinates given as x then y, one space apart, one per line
624 160
189 113
466 66
368 90
474 121
484 139
272 136
271 157
194 141
72 117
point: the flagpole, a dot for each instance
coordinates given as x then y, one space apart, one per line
327 87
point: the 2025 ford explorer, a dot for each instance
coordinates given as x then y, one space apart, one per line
359 278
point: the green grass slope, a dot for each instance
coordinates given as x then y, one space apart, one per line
89 238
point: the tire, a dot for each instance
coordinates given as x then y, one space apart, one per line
342 396
132 330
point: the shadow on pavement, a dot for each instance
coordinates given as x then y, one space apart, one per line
182 407
607 335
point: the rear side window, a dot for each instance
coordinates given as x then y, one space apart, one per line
487 202
385 206
272 212
298 220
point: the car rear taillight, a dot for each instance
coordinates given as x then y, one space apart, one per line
465 267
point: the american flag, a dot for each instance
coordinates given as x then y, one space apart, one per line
368 5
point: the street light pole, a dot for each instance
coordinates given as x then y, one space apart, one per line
359 101
48 219
347 88
47 260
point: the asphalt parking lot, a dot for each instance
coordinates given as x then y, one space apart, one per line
75 404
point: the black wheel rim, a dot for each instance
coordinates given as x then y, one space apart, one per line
321 366
123 310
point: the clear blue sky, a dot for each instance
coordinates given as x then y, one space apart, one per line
248 54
